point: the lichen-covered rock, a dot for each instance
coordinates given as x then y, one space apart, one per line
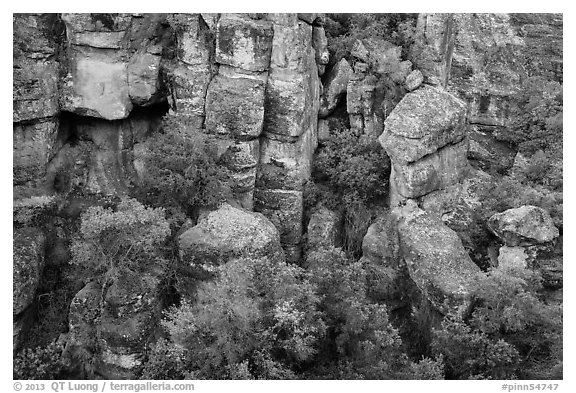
523 226
27 266
324 229
243 42
414 80
436 259
312 18
229 233
334 87
424 121
235 107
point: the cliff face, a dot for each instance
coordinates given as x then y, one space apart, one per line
250 80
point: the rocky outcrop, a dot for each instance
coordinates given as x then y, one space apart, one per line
229 233
291 107
436 260
523 226
425 137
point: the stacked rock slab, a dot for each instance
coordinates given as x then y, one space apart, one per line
235 97
290 128
528 234
426 139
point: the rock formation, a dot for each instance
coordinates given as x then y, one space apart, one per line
425 137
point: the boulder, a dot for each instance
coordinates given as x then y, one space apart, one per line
414 80
243 42
523 226
229 233
436 259
235 107
335 87
424 121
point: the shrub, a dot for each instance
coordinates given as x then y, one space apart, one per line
361 341
471 354
128 237
34 210
357 175
39 363
257 319
181 170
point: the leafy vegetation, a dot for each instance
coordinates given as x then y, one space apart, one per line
356 173
127 237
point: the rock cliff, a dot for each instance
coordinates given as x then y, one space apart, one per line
90 89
